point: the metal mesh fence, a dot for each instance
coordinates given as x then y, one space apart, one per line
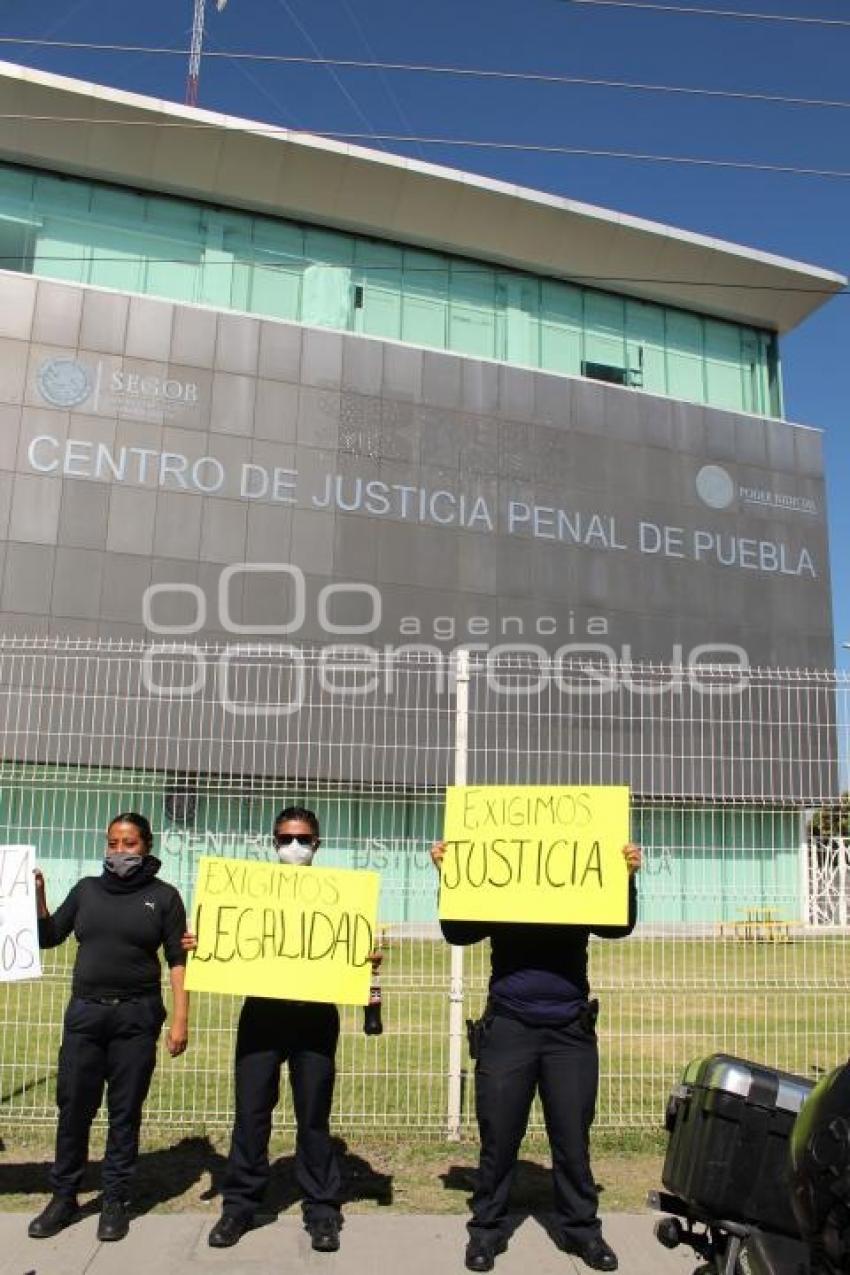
736 777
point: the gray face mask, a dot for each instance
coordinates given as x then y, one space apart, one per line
123 865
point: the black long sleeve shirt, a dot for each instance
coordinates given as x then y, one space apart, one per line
120 925
538 972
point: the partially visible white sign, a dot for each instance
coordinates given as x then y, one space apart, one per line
19 953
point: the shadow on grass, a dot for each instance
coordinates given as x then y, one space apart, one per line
531 1195
161 1175
360 1181
168 1173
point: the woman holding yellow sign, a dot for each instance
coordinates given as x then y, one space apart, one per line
537 1034
273 1032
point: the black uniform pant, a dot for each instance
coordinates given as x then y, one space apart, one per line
514 1061
272 1033
111 1045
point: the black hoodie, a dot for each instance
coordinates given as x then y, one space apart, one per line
120 925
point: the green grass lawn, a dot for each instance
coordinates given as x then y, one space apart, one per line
664 1001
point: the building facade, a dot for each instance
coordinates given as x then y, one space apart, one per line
257 387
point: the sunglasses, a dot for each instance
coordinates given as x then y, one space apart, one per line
298 838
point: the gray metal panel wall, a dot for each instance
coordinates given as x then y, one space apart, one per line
145 444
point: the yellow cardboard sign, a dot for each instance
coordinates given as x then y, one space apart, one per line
290 933
543 854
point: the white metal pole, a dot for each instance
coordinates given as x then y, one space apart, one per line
806 857
806 874
456 1031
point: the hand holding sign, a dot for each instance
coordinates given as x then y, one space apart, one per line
634 858
19 954
540 854
40 895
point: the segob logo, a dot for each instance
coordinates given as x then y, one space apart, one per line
715 487
64 382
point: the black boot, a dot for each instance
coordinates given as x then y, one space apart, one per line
229 1230
324 1233
595 1253
58 1213
481 1254
114 1221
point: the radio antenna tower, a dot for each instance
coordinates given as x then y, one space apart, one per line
196 52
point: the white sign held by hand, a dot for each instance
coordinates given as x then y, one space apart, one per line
19 952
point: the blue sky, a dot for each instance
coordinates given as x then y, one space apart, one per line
803 217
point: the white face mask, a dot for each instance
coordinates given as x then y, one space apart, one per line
296 854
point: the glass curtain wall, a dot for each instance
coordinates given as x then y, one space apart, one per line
702 865
86 232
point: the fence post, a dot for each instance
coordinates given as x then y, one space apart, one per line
806 882
456 1030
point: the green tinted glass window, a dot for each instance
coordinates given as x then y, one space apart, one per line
645 362
16 185
561 327
173 269
472 309
114 237
723 368
61 194
378 289
685 356
604 335
518 319
61 252
425 299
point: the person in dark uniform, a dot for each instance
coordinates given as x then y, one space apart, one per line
537 1034
114 1017
304 1035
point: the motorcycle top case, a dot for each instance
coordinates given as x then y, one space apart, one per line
728 1156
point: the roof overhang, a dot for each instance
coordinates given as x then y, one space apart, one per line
79 128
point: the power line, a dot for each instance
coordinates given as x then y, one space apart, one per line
260 87
591 152
287 9
538 148
436 269
423 68
387 86
699 11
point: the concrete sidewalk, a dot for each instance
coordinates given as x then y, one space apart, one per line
394 1244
